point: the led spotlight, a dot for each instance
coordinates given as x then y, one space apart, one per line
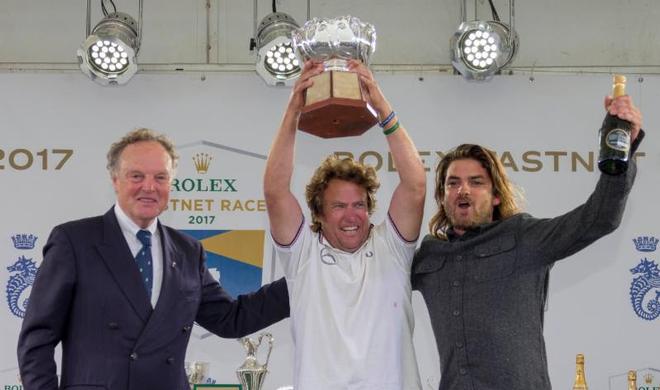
108 55
480 49
277 62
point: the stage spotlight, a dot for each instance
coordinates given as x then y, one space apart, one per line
277 62
108 55
481 49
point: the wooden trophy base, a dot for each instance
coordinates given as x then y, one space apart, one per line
334 107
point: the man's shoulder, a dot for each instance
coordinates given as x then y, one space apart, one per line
82 224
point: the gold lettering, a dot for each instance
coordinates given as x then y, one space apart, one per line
186 204
588 164
528 161
507 161
343 155
390 163
374 154
423 154
527 158
224 205
252 205
555 156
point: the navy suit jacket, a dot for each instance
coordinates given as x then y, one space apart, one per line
89 296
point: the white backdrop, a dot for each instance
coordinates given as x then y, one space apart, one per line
541 127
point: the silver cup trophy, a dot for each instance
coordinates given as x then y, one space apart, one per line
335 105
251 374
197 372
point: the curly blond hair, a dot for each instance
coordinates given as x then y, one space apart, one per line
346 169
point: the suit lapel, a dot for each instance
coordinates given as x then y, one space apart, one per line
118 259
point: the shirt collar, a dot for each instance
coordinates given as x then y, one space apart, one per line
127 225
469 233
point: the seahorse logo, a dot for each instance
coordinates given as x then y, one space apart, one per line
644 302
18 284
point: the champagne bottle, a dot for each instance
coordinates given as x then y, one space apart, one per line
580 380
632 380
614 137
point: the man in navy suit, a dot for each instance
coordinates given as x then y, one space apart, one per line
121 291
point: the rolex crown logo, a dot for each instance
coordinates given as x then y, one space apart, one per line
648 378
202 162
646 243
24 241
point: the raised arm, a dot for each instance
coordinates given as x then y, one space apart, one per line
407 204
284 212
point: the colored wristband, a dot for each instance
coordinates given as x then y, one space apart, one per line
387 119
392 129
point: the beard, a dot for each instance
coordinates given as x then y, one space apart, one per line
479 215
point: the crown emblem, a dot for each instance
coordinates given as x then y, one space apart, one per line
648 378
646 243
24 241
202 162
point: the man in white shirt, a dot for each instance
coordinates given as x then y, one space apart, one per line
348 280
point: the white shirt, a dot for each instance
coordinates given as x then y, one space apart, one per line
130 229
351 313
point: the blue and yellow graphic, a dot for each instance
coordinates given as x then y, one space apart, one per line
236 254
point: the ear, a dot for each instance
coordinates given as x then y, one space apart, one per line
115 182
496 200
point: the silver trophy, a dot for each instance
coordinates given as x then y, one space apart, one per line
197 372
334 105
251 374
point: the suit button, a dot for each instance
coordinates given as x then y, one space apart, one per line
170 360
463 371
133 356
456 313
113 325
459 345
187 328
455 283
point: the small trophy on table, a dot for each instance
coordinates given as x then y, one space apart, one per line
334 105
196 372
251 374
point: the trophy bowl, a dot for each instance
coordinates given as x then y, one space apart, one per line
335 105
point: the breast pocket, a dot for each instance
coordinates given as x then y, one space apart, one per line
428 273
494 260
